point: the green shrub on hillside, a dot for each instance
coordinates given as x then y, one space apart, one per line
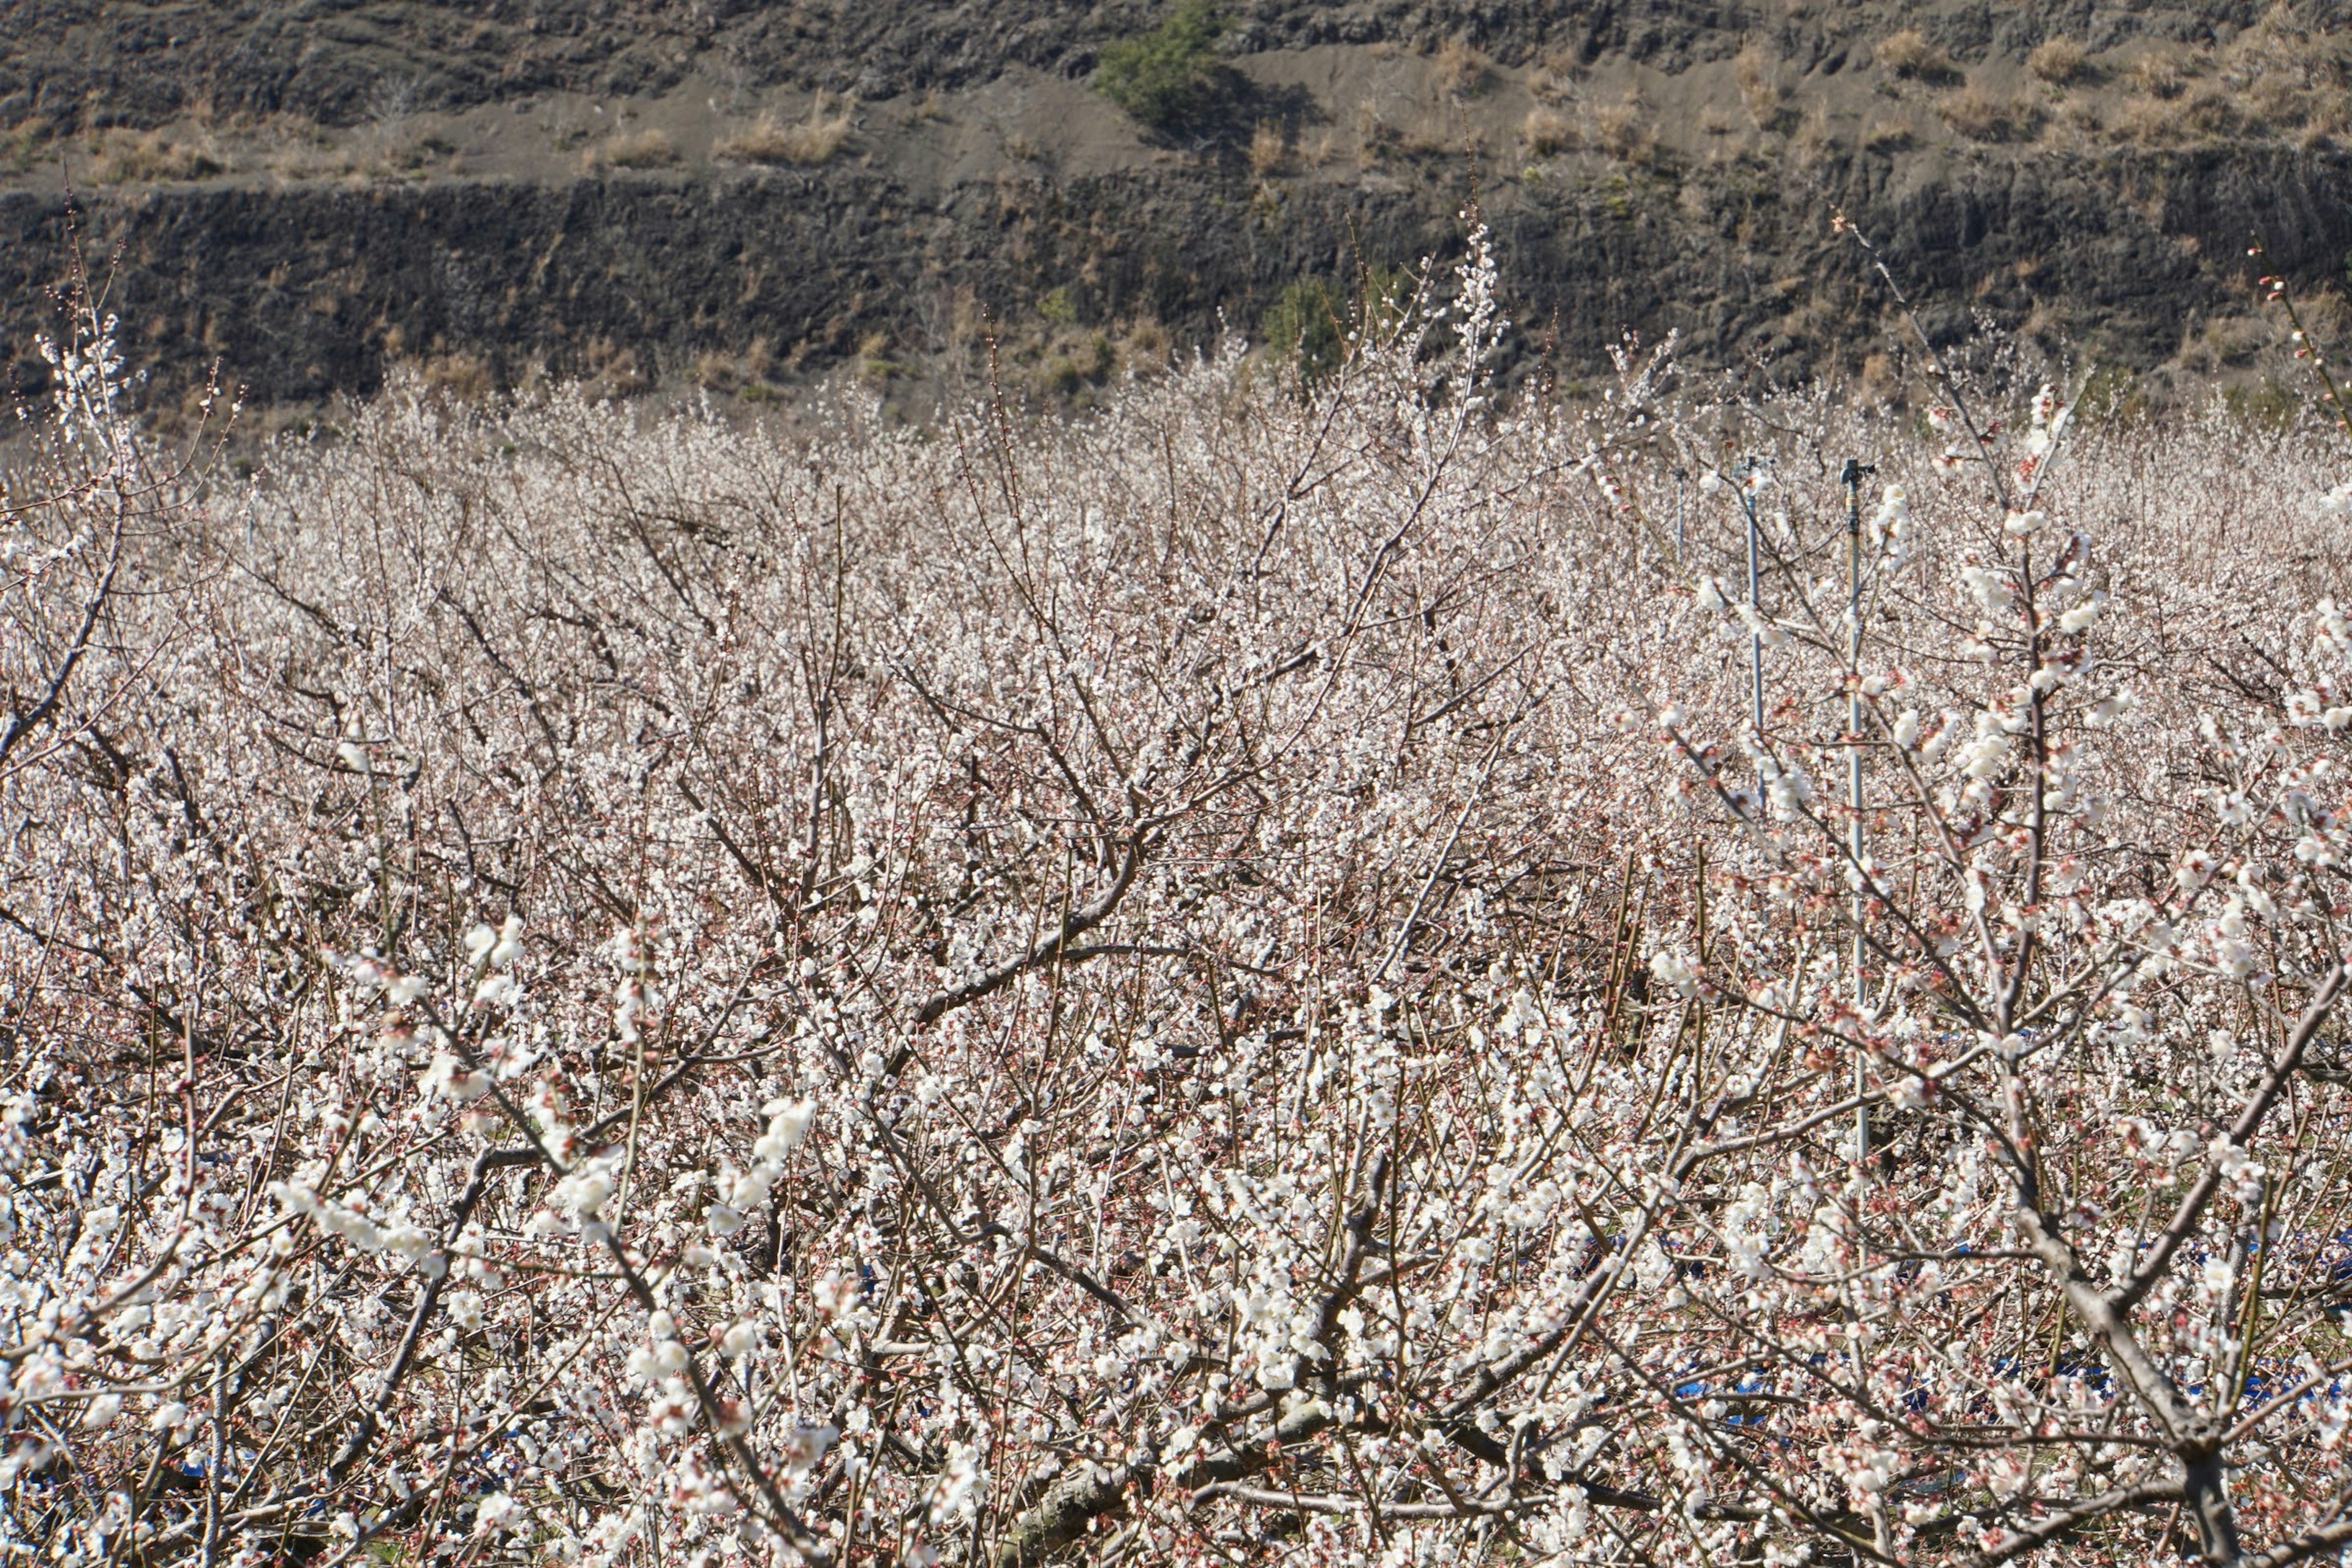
1167 75
1304 324
1309 323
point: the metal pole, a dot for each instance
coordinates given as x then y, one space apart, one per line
1854 470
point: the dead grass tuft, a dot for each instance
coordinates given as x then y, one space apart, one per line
1890 135
649 149
1983 116
464 377
1622 129
2059 61
2160 74
1552 82
137 157
1910 56
1269 150
1545 131
814 137
1758 71
1458 70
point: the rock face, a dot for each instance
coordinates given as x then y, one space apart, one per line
299 288
300 293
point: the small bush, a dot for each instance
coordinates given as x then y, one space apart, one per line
1308 324
1170 74
1910 56
814 137
2059 61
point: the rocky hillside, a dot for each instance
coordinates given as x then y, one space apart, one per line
742 195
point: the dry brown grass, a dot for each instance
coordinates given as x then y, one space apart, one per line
2059 61
814 137
2160 74
2280 102
1622 129
137 157
2216 114
1813 136
2331 119
1435 139
2288 80
1983 116
464 377
1269 150
1758 71
1545 131
2225 342
613 371
1910 56
2139 120
22 146
718 372
2209 115
1891 134
1458 70
650 148
874 361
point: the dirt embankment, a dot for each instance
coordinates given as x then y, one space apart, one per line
743 195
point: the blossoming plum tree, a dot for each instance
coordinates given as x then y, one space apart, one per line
1235 982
